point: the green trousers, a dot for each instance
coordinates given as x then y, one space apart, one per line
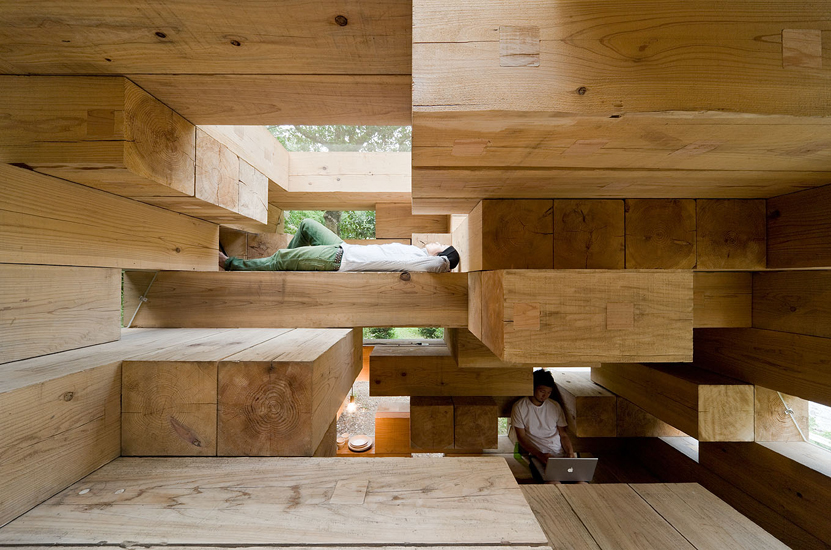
313 248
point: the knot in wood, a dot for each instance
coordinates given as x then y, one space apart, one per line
582 90
68 396
341 20
405 276
160 34
236 43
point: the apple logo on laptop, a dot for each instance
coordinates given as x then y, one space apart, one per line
570 470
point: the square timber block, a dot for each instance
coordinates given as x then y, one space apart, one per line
562 316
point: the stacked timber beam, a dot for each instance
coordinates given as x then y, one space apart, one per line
109 134
586 101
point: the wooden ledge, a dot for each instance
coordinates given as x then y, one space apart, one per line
311 299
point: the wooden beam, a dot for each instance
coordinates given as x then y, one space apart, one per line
187 39
423 239
705 405
794 301
279 398
47 309
799 229
44 220
790 363
773 423
305 99
589 408
557 518
456 190
227 190
508 234
798 491
258 147
432 371
104 132
671 465
722 299
474 423
431 423
345 181
169 396
660 234
396 221
562 316
55 432
464 74
588 234
730 234
453 515
633 421
305 299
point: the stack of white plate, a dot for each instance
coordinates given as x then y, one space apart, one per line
360 443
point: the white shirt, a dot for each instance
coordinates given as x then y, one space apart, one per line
390 257
540 424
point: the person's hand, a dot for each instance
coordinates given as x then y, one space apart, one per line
222 259
572 454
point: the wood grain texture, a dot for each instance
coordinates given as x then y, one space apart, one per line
633 421
432 371
791 363
722 299
671 465
796 301
797 492
102 132
168 408
279 398
773 423
474 423
588 234
255 144
660 234
662 47
730 234
56 431
49 309
459 512
306 99
396 221
49 221
616 517
799 229
589 408
342 181
688 507
705 405
573 315
309 300
206 39
431 423
562 526
514 234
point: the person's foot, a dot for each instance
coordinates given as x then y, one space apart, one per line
222 259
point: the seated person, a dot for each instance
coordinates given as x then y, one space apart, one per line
315 248
540 424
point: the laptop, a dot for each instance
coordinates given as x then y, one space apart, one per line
566 469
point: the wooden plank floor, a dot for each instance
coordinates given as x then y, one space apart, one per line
641 517
286 501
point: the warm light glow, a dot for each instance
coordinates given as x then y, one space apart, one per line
352 406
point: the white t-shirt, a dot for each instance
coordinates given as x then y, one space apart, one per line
540 424
390 257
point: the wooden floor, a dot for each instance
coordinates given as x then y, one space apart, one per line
328 502
642 516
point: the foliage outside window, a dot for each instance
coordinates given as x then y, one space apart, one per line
819 425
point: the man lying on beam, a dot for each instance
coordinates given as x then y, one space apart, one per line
315 248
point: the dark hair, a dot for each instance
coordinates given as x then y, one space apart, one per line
451 255
543 378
